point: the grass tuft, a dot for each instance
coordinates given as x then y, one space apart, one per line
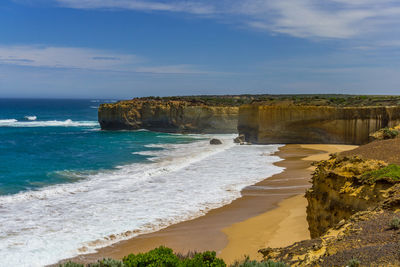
390 173
395 223
353 263
252 263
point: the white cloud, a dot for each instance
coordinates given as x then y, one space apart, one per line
171 6
323 19
300 18
63 57
171 69
84 58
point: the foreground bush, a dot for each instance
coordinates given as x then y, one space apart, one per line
161 256
107 263
99 263
205 259
165 257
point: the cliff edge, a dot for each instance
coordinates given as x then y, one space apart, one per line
168 116
289 123
261 119
353 211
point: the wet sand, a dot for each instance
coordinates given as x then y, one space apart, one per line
234 230
279 227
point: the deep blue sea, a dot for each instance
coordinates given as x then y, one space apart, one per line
66 185
44 142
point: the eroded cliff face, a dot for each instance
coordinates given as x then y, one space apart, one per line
289 123
168 116
352 207
338 191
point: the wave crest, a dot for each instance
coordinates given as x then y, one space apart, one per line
53 123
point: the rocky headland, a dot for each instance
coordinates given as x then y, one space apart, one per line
261 119
290 122
179 116
352 211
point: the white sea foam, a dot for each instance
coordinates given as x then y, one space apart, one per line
187 180
7 121
30 118
53 123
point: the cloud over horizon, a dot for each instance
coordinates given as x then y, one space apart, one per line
85 58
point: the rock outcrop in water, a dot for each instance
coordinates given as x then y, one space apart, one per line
168 116
286 123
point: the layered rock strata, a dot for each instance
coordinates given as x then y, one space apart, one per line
338 191
287 123
168 116
352 214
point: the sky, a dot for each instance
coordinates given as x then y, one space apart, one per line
128 48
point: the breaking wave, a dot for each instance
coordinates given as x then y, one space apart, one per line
183 182
53 123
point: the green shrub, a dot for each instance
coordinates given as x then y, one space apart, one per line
205 259
252 263
188 255
164 257
71 264
159 257
390 173
388 133
353 263
107 263
395 223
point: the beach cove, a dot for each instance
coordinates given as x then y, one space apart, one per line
271 213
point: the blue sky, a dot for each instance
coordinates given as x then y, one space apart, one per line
128 48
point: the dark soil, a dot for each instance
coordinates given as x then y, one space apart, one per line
370 240
373 244
386 150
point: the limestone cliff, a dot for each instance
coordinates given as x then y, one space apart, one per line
338 191
266 123
365 239
168 116
352 214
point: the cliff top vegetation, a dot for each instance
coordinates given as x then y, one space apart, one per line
301 100
165 257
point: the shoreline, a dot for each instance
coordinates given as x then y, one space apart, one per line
220 228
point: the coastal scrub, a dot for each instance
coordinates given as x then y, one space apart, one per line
390 173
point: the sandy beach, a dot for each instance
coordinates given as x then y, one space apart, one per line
271 213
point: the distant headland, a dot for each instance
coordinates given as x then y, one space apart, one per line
262 119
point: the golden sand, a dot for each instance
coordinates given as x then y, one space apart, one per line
272 217
329 149
276 228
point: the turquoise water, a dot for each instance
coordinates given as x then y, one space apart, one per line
63 143
66 186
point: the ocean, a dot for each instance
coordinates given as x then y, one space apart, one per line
66 187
